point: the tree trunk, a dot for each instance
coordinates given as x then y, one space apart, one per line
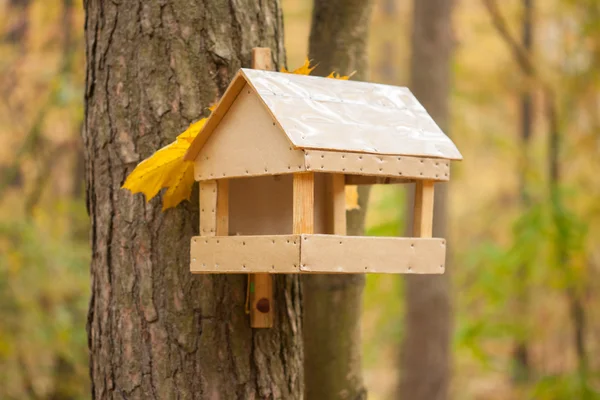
426 348
521 369
333 303
156 331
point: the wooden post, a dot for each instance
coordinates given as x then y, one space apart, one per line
261 285
423 209
208 208
304 202
214 208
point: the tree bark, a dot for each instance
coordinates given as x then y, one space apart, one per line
425 355
156 331
333 303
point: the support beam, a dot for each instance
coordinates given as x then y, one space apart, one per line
261 285
423 209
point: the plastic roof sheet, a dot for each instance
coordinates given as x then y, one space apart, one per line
331 114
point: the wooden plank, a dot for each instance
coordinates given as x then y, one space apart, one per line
270 254
261 285
403 167
222 207
423 209
337 199
359 254
208 208
245 254
247 143
304 199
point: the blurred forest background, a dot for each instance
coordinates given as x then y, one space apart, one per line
524 205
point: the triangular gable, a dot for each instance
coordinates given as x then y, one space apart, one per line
247 142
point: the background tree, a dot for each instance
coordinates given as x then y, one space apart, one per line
333 303
521 350
155 331
425 359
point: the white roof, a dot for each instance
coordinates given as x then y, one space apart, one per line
340 115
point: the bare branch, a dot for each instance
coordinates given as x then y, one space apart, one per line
519 52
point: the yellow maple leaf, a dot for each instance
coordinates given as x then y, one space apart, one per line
182 189
167 169
192 131
305 69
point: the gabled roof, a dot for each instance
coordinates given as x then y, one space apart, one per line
338 115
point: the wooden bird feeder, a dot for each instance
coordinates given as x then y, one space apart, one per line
273 160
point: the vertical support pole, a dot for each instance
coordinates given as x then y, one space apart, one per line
214 208
304 202
336 199
208 208
261 285
261 300
423 210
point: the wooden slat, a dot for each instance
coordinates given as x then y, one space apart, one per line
359 254
403 167
245 254
316 254
304 199
208 208
423 209
261 285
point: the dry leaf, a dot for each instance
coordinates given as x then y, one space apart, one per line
305 69
167 169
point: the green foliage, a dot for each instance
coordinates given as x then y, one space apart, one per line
560 387
545 257
44 291
383 293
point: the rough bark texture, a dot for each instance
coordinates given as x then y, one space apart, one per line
333 303
426 348
155 331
